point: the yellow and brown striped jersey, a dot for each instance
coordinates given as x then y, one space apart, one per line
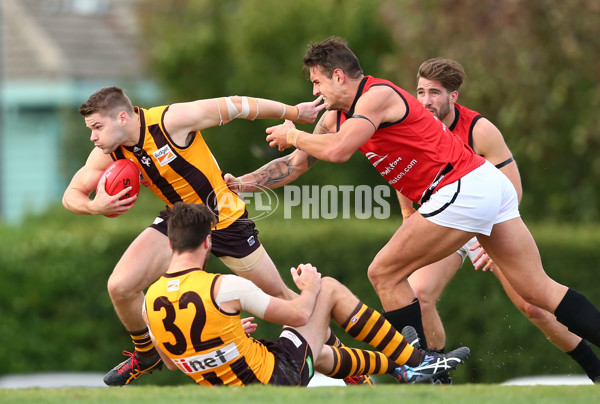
189 174
205 343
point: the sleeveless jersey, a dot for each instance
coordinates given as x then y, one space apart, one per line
415 154
189 174
464 121
205 343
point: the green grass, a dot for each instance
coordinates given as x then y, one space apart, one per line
468 393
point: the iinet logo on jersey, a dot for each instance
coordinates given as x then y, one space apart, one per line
208 361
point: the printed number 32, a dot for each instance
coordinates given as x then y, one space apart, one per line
198 324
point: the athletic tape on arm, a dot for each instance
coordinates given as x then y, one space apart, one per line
252 298
249 108
228 110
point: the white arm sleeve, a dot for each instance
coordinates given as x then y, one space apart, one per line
251 297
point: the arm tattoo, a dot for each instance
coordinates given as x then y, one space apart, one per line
320 129
273 173
277 172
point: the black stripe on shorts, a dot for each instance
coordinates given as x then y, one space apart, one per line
445 205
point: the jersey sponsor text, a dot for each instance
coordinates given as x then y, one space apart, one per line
209 360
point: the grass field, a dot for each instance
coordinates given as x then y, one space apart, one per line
387 394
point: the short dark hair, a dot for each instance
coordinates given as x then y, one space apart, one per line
330 54
106 100
188 225
447 71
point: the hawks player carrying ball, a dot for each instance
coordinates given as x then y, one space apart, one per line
166 145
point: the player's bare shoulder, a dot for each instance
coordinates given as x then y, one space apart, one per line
327 123
381 104
176 122
488 140
485 128
183 119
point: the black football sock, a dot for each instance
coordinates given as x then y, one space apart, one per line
587 359
408 315
580 316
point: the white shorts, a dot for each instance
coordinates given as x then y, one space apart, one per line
474 203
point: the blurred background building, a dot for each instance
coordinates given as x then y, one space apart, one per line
54 54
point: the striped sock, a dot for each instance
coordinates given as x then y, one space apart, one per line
367 325
143 343
352 361
333 340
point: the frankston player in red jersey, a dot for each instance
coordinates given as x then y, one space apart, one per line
439 81
461 194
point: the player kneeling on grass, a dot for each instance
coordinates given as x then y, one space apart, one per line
194 320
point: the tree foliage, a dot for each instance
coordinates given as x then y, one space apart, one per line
532 69
531 65
203 49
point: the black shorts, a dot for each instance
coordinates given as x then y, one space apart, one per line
293 359
238 240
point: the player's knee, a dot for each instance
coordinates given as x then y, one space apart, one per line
329 282
115 287
118 288
534 313
380 276
330 285
374 274
426 298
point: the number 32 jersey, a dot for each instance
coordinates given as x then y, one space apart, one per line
205 343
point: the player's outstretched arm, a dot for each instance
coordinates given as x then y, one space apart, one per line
373 108
274 174
281 171
184 118
234 293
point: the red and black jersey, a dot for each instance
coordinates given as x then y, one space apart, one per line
464 122
417 153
